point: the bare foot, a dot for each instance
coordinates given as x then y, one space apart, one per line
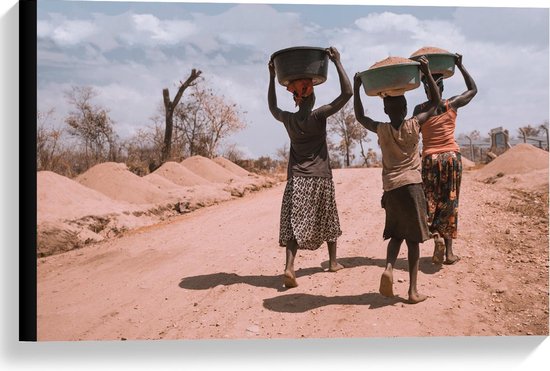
386 284
416 298
335 267
452 259
439 250
290 279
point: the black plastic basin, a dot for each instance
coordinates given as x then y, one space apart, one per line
301 62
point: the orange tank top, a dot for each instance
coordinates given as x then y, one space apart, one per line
438 133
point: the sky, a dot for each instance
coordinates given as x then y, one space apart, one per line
129 51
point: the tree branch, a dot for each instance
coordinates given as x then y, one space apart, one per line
192 77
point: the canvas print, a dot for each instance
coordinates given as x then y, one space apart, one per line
285 171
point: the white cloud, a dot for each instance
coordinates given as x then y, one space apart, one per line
163 32
387 22
43 29
66 32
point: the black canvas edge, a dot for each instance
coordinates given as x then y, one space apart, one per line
27 170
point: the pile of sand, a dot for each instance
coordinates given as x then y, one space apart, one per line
231 166
429 50
190 197
391 61
523 167
179 174
162 183
108 199
59 198
119 183
209 169
70 215
467 164
520 159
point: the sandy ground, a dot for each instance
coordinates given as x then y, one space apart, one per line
215 273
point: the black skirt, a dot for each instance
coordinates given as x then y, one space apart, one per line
406 216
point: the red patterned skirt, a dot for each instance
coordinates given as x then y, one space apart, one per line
441 178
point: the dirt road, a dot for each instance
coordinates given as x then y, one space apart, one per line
216 273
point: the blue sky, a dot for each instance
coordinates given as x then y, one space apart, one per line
130 51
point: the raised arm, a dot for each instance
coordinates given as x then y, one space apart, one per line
434 96
367 122
271 95
345 87
464 98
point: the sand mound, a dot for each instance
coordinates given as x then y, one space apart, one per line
467 164
59 197
180 175
119 183
234 168
391 61
520 159
208 169
429 50
161 182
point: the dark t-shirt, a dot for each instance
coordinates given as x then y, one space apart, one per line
308 146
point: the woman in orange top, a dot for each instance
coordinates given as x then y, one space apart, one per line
442 166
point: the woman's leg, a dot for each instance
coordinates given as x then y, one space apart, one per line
333 265
413 258
450 257
386 281
289 275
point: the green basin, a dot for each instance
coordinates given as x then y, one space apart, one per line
440 63
301 62
391 80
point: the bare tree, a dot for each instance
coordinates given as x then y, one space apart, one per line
191 123
475 135
371 159
170 106
283 153
144 150
205 120
344 125
223 118
334 154
92 125
362 137
47 142
233 153
528 131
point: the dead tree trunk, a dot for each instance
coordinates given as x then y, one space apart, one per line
169 107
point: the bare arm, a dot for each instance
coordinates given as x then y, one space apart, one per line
345 87
272 96
434 95
464 98
418 109
367 122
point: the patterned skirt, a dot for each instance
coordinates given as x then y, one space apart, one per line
406 213
308 212
441 177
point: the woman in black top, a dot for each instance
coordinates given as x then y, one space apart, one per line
308 214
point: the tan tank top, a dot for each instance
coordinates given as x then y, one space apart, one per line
401 163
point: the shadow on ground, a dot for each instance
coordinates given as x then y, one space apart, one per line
299 303
208 281
425 264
